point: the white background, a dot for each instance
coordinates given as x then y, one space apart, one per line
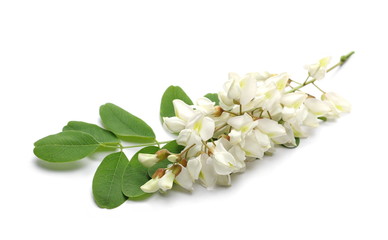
61 60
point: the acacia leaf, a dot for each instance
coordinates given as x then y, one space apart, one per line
65 146
107 181
125 125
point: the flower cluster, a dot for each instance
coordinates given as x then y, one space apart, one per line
253 114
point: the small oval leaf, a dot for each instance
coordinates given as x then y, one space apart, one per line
100 134
173 147
171 93
107 181
136 175
125 125
65 146
213 97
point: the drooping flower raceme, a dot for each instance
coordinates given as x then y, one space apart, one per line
253 114
216 136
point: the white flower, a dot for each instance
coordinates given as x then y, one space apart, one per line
271 127
288 139
242 90
182 110
194 166
173 124
337 103
255 144
151 186
183 114
205 106
208 176
280 81
203 126
318 70
317 107
165 183
189 137
293 106
242 123
293 100
225 102
184 179
267 96
148 160
224 162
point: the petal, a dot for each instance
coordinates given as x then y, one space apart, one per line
251 147
311 120
317 106
148 160
184 179
235 136
194 166
182 110
280 80
242 123
340 103
224 162
207 129
165 183
205 105
234 90
173 124
151 186
293 100
248 90
270 127
225 102
207 176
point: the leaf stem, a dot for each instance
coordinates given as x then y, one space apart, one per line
135 146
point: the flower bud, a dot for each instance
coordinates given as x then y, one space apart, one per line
218 111
183 162
148 160
162 154
176 169
174 157
159 173
151 186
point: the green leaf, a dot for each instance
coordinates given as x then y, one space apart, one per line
171 93
125 125
100 134
136 175
107 181
323 118
297 141
172 147
213 97
65 146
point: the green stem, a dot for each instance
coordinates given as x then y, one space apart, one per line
146 144
135 146
318 88
342 61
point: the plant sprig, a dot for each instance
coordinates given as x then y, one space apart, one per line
212 140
